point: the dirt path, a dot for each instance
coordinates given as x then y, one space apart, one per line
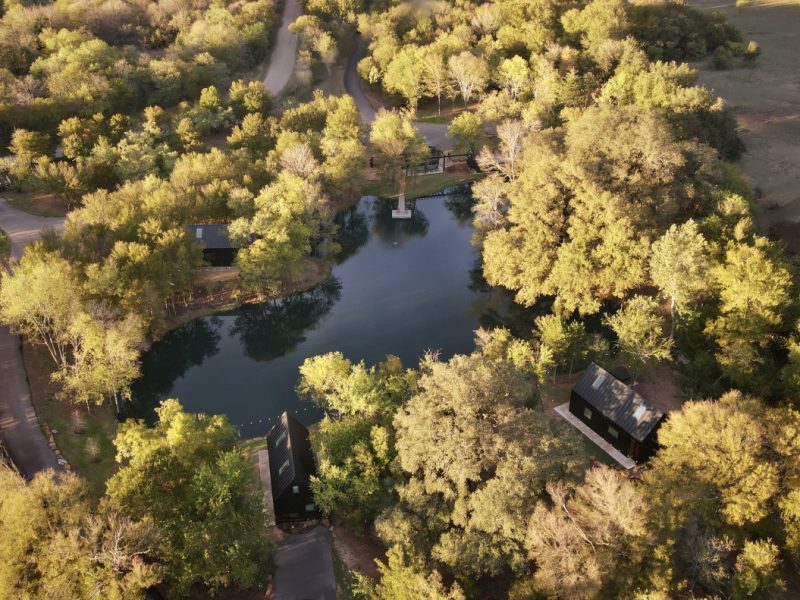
23 436
766 102
284 51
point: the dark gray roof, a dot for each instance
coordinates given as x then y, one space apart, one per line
290 457
213 236
618 402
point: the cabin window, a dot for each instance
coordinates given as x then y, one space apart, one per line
309 508
613 432
587 412
639 412
284 466
296 489
199 233
280 439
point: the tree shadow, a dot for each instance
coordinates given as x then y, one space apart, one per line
169 359
275 328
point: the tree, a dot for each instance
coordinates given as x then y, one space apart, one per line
105 359
514 74
40 299
185 474
678 265
467 132
565 340
469 73
255 133
757 570
511 134
584 538
638 327
249 97
435 75
396 143
336 384
472 458
56 548
754 287
405 75
403 581
30 145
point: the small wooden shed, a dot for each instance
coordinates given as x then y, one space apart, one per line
616 413
291 465
217 247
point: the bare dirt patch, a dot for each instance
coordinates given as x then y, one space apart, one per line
357 553
766 102
37 203
659 385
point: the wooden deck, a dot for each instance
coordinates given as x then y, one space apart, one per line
624 461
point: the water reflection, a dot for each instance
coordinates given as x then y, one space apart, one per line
399 287
393 232
274 328
172 356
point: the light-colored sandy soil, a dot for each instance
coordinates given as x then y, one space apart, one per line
766 102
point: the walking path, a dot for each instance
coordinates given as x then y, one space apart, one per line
20 428
284 51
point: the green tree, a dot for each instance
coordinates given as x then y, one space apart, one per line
405 75
639 330
467 132
56 548
754 289
678 266
396 144
40 299
249 97
185 474
403 581
469 73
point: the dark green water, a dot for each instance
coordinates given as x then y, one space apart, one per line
401 287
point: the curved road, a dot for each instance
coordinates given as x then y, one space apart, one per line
435 134
20 428
284 51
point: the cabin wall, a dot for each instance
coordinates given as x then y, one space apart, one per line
220 257
578 406
290 506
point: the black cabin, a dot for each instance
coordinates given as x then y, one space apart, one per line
291 465
217 247
616 413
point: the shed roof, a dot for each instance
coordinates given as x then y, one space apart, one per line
618 402
290 456
213 236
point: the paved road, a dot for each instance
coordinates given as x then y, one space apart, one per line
304 567
435 133
284 51
24 439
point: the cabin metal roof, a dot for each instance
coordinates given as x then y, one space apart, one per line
289 445
212 236
618 402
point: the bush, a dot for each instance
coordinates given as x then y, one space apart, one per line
722 59
752 51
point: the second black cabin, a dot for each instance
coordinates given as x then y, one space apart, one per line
616 413
217 247
291 465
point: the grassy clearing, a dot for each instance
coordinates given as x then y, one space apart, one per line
85 438
36 203
420 186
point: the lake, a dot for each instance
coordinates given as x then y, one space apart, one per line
400 287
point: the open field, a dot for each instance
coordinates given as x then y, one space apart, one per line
766 102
